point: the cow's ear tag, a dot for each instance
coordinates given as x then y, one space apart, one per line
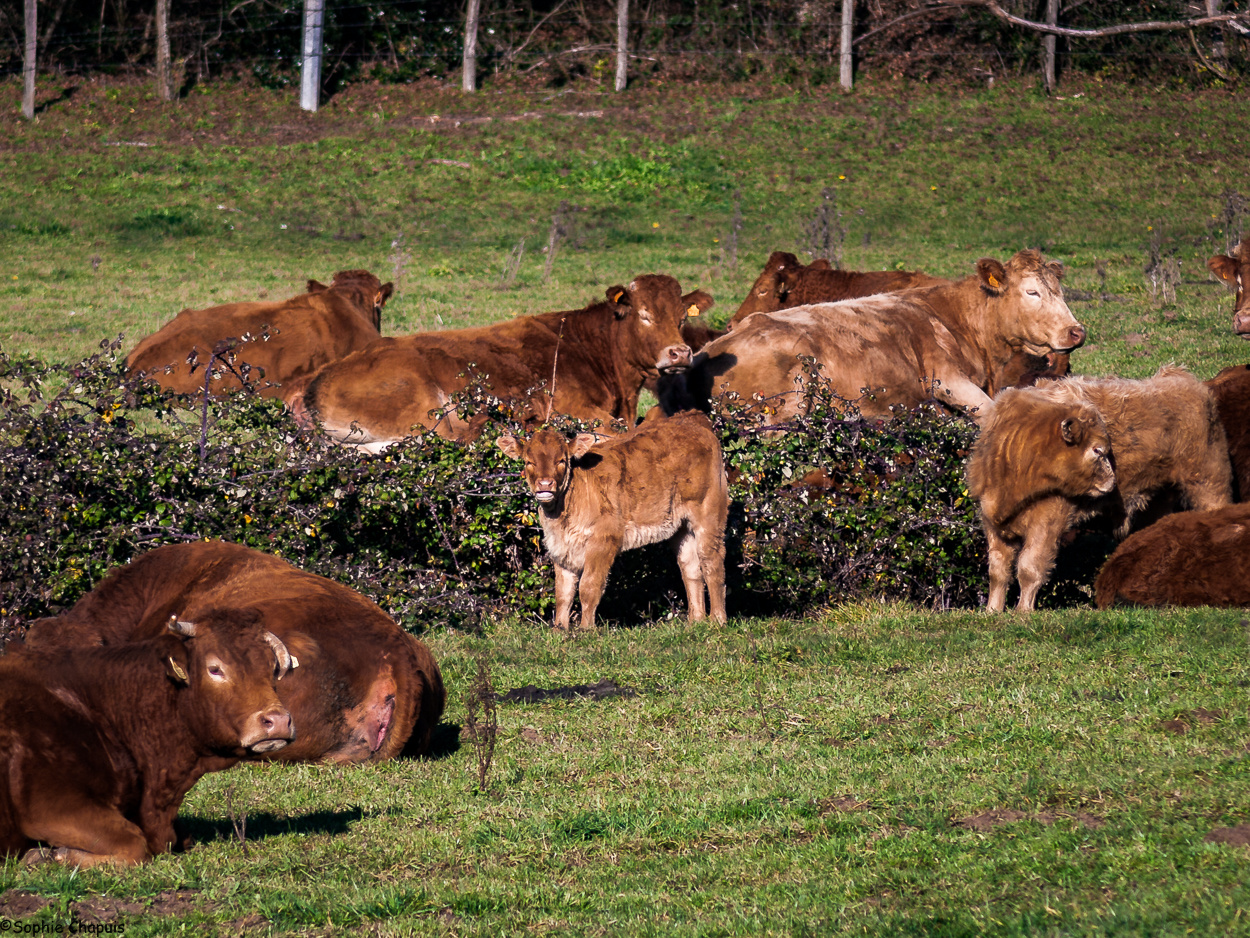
692 311
175 669
993 281
617 298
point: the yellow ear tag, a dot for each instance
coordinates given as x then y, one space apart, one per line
993 280
617 298
692 311
178 672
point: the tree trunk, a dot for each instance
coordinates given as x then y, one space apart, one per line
1048 47
848 27
471 16
622 43
164 71
28 63
310 67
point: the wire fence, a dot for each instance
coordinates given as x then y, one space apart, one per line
402 40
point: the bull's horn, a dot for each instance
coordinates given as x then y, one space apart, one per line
180 627
286 661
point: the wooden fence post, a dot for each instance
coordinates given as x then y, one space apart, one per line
471 16
1048 46
848 27
164 72
28 63
310 66
622 44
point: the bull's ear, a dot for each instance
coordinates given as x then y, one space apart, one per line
781 259
1056 268
384 293
176 670
1073 430
316 286
820 263
581 444
993 276
1225 268
619 296
510 445
787 280
697 302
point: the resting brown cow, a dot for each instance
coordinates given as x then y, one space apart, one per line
99 746
1235 273
365 689
786 283
306 332
1044 461
664 481
946 342
599 357
1193 558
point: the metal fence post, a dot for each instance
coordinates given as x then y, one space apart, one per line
310 67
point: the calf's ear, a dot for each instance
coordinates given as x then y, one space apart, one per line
620 297
697 302
510 445
316 286
820 263
780 259
993 276
1073 430
384 293
582 443
1225 268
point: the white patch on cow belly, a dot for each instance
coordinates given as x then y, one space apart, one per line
566 541
636 535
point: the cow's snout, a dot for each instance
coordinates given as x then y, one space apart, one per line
675 358
1076 337
271 730
545 490
1241 323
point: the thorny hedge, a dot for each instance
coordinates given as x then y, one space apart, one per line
96 468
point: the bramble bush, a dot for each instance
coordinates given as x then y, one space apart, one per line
96 468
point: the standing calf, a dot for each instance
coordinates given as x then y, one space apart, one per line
1050 456
665 480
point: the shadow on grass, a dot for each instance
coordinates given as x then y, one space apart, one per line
444 742
262 824
65 95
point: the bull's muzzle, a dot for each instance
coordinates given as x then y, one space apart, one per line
269 730
1075 339
674 358
545 491
1241 323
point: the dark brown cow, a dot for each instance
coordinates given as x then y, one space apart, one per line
786 283
1231 390
1235 273
306 332
99 746
1045 456
664 481
1192 558
599 356
365 689
946 341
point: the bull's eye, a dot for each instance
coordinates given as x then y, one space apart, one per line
216 673
1032 292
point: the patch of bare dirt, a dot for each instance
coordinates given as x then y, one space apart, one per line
16 904
103 910
1238 836
988 820
841 804
1182 723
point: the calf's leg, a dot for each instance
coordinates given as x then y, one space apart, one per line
691 574
566 589
600 553
1037 556
1002 555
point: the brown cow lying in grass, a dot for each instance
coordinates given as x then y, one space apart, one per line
365 690
1192 558
664 481
1234 271
1052 455
1231 390
306 332
785 284
99 746
946 341
597 358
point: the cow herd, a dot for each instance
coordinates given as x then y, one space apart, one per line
196 656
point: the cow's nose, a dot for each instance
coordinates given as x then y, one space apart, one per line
1076 336
276 724
1241 324
675 356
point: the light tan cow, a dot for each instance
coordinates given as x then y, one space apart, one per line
946 341
664 481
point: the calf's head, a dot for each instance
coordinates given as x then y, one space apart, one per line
651 310
368 293
1234 272
548 460
1027 305
768 293
228 668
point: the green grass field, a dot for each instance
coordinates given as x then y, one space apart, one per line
869 770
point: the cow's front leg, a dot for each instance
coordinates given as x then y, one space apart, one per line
600 553
1002 556
566 589
1044 528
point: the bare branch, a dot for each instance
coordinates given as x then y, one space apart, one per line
1232 19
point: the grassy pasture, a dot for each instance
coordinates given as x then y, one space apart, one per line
873 770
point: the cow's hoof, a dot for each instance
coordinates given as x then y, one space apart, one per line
41 856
